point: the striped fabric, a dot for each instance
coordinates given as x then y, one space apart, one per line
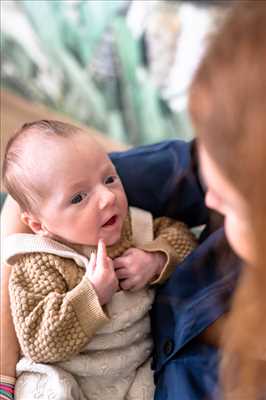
7 387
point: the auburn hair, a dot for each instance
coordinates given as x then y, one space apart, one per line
228 110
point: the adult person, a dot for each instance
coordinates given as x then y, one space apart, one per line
227 102
228 110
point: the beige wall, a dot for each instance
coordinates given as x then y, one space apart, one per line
15 111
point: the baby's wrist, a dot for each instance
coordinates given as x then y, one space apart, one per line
97 290
104 294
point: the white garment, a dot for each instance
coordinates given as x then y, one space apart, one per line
115 365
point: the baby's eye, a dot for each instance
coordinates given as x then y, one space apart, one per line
110 179
78 197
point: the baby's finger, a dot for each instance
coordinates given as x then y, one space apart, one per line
101 259
127 284
92 262
121 273
119 262
129 251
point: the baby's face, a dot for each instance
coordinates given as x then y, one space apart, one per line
84 198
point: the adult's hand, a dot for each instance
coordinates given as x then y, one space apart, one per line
10 223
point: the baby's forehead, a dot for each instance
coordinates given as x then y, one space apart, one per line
79 139
69 151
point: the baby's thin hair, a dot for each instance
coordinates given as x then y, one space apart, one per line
15 175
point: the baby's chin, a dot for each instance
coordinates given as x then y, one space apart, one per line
112 240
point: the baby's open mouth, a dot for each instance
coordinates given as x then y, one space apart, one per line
111 221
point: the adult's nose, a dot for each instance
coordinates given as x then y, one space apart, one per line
212 201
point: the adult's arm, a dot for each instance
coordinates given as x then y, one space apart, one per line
196 296
10 223
163 179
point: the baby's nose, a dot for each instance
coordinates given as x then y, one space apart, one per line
106 198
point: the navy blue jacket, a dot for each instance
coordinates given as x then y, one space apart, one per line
163 178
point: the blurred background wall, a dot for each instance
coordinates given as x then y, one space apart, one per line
122 67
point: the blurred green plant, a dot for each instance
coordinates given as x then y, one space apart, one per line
80 58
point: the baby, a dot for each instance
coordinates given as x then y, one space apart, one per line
80 309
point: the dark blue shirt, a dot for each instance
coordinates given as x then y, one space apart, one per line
163 178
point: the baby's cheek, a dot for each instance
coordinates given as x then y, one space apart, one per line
124 205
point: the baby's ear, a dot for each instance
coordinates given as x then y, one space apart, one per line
33 223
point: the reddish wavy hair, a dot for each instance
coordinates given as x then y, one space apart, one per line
228 109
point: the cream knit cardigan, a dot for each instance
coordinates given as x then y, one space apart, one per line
93 353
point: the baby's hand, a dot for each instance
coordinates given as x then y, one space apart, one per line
136 268
102 275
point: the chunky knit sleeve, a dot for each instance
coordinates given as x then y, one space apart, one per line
55 308
175 240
